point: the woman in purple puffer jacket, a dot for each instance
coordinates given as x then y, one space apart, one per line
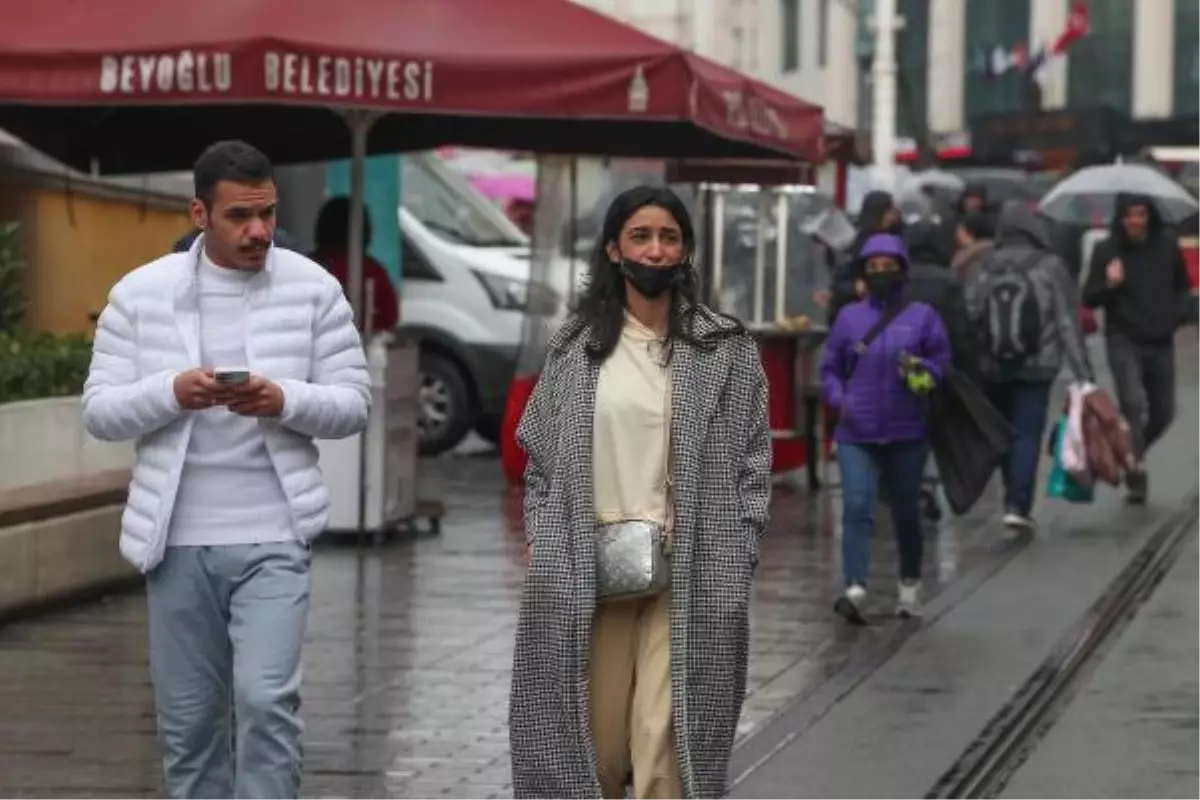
877 378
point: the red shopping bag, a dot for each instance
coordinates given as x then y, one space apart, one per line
1087 319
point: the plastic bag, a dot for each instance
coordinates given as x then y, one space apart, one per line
1061 484
1074 451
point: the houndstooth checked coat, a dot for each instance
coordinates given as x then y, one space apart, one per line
721 455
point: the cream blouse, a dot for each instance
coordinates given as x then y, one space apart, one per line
629 445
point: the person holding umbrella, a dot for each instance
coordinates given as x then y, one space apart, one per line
1138 276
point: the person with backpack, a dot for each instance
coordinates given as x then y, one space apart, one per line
1024 307
883 357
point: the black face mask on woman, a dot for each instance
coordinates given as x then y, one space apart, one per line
882 284
652 282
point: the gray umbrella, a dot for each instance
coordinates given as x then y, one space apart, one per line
938 184
1092 192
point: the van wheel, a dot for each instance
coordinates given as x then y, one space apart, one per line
445 405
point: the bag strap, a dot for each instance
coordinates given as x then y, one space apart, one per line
873 332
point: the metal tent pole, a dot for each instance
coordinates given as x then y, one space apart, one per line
360 124
781 246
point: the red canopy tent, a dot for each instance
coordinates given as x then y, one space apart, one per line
135 89
150 87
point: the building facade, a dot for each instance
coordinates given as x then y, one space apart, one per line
957 58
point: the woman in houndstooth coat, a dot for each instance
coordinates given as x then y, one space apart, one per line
648 400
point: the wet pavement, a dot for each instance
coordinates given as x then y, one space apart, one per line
408 654
1141 702
1130 732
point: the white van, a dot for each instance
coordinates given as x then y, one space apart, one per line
465 291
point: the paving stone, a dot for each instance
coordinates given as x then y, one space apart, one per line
408 654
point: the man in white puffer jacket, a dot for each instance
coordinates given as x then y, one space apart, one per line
226 492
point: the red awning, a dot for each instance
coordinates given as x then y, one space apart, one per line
146 84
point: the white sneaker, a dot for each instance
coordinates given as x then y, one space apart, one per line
849 604
1014 520
908 603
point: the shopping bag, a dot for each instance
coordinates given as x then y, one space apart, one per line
968 438
1061 484
1073 450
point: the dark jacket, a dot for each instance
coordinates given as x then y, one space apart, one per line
930 281
1153 299
1023 243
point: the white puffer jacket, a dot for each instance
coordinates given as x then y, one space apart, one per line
300 333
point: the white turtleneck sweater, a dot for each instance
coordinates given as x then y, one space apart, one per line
229 491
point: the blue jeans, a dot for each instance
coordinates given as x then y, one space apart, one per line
1024 405
900 465
227 624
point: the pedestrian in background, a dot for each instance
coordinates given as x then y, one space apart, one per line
882 358
878 214
1138 276
226 492
973 237
651 409
931 281
1025 306
333 253
972 200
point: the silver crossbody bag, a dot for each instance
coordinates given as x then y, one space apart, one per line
633 556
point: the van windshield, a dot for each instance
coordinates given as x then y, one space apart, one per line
450 207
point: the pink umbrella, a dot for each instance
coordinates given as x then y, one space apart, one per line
506 187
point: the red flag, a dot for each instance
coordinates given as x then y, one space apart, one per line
1078 26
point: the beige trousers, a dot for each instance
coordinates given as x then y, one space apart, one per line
630 678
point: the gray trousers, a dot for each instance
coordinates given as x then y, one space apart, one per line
226 631
1145 384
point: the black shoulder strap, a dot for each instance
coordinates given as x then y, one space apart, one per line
873 332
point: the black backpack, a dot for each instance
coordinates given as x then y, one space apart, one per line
1012 315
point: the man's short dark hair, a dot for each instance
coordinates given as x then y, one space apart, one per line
978 224
230 160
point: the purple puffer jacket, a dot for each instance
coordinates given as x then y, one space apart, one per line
874 404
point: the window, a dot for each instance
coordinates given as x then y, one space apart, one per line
1100 66
992 24
789 29
822 32
1187 57
450 207
415 265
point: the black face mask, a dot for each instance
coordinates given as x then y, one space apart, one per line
652 282
882 284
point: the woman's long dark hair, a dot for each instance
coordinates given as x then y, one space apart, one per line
601 307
